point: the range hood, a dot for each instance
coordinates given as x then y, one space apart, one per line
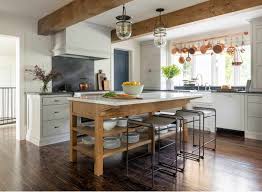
83 40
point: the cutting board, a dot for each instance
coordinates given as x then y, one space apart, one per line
106 85
100 77
129 97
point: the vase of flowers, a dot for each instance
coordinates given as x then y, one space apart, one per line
169 72
40 74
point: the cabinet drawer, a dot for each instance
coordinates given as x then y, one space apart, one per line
254 109
55 101
55 127
254 99
55 112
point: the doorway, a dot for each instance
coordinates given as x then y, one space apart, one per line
8 81
121 68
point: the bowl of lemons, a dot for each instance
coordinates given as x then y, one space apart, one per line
133 88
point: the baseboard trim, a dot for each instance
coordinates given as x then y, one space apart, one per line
253 135
48 140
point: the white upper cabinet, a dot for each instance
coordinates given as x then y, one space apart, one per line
256 35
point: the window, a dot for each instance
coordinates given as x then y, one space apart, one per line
215 69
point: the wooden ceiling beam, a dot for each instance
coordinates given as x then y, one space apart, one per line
74 12
191 14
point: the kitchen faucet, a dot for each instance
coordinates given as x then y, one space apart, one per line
201 78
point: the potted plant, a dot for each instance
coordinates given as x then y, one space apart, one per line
169 72
40 74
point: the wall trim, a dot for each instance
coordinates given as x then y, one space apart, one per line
253 135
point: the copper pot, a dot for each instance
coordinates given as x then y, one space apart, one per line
175 50
185 50
218 48
83 86
192 50
188 59
181 60
203 49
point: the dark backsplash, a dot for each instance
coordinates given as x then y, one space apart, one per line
74 71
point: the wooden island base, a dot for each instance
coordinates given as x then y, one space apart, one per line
99 112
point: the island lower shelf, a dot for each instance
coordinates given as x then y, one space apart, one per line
89 150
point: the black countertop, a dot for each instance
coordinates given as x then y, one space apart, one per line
212 91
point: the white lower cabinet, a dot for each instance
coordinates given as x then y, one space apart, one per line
47 119
230 110
235 111
253 117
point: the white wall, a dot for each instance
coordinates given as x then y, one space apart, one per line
7 71
134 49
34 50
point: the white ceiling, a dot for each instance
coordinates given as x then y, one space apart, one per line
31 8
7 46
142 9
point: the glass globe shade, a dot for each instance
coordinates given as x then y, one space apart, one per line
124 29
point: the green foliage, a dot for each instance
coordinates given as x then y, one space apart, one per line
170 71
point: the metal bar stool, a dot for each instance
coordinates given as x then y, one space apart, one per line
207 113
192 116
158 123
178 126
136 123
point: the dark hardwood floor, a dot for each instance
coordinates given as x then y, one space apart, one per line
235 166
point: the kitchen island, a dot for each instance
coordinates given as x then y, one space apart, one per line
98 108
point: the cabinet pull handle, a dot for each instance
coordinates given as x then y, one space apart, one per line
56 127
56 112
56 100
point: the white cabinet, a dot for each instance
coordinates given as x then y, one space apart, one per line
256 59
47 119
152 58
254 117
229 106
230 110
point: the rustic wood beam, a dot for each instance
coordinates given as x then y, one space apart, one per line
74 12
191 14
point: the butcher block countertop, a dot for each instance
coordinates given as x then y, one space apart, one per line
145 98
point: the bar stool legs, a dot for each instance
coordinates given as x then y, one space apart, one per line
215 127
152 153
193 114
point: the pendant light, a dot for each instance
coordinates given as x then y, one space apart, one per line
237 59
160 31
123 25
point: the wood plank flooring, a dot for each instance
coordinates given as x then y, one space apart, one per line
235 166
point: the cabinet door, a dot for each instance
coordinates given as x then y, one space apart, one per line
256 54
150 66
230 111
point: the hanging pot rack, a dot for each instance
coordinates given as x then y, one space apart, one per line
212 38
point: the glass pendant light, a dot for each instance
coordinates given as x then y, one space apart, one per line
160 34
123 26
